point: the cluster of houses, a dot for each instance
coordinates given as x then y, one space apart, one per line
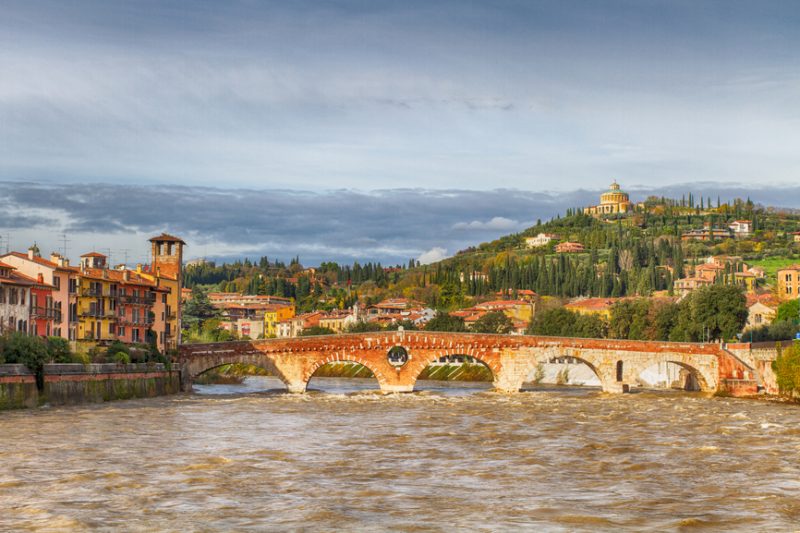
92 303
269 316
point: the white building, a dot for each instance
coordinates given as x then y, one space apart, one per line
741 228
543 239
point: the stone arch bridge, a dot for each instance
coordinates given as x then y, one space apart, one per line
511 358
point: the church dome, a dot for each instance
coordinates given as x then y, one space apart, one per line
614 195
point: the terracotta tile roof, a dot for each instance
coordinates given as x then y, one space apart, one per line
116 276
497 304
767 299
34 281
93 254
6 265
167 238
597 304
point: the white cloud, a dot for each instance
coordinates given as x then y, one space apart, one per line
496 223
431 256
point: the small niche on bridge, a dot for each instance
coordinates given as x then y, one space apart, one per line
669 376
455 372
237 378
342 377
561 372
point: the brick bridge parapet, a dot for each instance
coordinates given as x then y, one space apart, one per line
511 358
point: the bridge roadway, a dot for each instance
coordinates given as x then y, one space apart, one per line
511 358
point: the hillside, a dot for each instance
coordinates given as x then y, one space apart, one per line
636 253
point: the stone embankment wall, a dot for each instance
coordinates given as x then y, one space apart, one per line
74 384
760 356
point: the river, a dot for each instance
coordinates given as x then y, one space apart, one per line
452 457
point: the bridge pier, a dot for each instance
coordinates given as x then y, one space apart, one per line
388 389
296 387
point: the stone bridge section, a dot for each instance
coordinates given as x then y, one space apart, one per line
511 358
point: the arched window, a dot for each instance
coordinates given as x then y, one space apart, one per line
619 370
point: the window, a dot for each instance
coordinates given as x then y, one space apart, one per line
73 285
121 331
110 328
163 298
57 283
135 335
2 295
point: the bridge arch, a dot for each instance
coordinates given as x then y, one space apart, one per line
692 368
201 365
342 358
552 355
420 359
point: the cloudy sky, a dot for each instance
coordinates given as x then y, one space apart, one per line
418 126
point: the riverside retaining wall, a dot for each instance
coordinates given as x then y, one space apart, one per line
66 384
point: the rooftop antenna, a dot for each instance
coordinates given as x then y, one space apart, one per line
109 256
125 254
64 240
8 242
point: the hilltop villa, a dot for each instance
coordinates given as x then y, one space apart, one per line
613 201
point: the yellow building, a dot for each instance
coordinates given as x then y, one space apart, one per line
517 310
789 282
612 202
97 304
592 306
276 313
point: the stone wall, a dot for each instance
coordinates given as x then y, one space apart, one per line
760 356
17 387
66 384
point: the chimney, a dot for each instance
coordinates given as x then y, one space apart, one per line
126 275
55 258
105 274
138 268
30 253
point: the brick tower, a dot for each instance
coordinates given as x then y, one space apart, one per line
165 267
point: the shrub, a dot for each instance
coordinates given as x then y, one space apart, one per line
116 347
121 358
80 358
58 350
787 369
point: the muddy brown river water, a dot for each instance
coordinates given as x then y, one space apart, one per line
453 457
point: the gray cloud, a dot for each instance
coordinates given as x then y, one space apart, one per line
384 94
390 225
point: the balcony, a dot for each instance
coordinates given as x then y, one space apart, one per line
148 299
93 313
46 312
98 293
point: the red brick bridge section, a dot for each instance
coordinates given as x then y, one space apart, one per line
511 358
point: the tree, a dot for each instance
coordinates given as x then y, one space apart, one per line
316 330
198 309
445 322
18 348
493 322
711 313
788 311
363 327
560 322
58 350
406 324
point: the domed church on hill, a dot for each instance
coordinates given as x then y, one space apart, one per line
613 201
